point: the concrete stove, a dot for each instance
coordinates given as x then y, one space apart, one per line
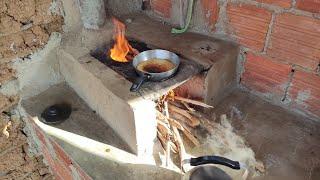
132 115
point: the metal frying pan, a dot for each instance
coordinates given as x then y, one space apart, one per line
154 65
204 169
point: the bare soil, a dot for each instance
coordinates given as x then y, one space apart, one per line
7 73
16 161
26 26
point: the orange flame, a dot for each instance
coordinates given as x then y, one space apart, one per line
121 50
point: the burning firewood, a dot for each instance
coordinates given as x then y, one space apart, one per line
122 51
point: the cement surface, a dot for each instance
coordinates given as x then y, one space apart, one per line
103 157
37 72
202 49
83 121
288 144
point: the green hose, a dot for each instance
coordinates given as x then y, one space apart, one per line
189 15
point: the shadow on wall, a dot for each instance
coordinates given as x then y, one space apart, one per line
122 7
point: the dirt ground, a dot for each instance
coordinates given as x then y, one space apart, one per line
25 26
16 161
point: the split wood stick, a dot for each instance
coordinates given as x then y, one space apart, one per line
160 116
177 104
182 119
168 138
174 147
198 103
182 150
163 128
194 121
161 119
161 139
168 147
173 122
185 130
180 111
190 109
163 142
189 135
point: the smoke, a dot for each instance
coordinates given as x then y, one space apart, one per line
223 141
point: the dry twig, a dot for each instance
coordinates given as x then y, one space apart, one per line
194 102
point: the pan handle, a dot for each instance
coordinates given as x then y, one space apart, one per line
214 160
139 81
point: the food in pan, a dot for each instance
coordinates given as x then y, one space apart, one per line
156 65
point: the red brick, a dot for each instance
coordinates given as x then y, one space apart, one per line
309 5
281 3
265 76
210 10
296 39
83 175
63 157
249 25
305 92
65 161
40 134
51 162
162 7
63 171
194 88
59 169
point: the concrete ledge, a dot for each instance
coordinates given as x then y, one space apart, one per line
130 116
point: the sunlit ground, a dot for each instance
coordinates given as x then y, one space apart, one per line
102 150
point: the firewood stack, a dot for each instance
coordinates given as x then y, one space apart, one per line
175 115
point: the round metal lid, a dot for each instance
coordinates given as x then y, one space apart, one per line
208 172
56 113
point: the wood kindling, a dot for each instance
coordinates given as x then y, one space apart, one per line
174 115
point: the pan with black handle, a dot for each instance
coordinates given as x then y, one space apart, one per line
204 169
153 70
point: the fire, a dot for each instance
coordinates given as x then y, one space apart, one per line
122 51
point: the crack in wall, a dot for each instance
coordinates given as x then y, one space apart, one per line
288 85
293 4
222 18
241 60
268 35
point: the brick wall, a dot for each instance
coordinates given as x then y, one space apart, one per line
60 163
280 46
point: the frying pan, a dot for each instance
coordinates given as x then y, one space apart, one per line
151 75
206 170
